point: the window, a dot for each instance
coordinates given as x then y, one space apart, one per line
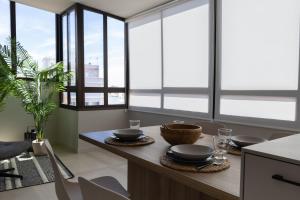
259 62
145 53
115 51
69 53
173 67
94 48
71 46
186 45
94 99
4 21
35 30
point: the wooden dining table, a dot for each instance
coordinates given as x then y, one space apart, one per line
149 180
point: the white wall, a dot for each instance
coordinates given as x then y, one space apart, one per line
67 129
71 123
102 120
64 125
14 121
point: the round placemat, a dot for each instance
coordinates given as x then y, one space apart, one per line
167 162
232 150
146 140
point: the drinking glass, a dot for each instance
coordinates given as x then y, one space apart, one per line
224 137
219 152
135 124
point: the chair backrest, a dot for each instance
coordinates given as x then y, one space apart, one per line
60 182
92 191
210 127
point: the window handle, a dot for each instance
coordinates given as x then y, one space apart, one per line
282 179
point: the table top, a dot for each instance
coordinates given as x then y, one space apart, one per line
223 185
288 151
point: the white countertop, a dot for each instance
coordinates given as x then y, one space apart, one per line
285 149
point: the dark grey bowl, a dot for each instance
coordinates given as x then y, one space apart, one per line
246 140
128 134
191 151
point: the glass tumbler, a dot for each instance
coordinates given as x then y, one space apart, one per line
219 152
135 124
224 137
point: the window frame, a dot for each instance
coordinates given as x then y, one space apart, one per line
209 91
80 88
262 122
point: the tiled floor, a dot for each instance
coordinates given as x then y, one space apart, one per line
91 162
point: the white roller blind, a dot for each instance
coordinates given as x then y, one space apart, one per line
170 59
145 53
193 103
147 100
260 44
186 45
280 108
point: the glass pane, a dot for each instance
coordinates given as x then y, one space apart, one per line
35 31
115 50
186 45
72 60
260 44
93 49
145 100
116 98
73 99
281 108
4 21
145 53
94 99
64 98
65 43
193 103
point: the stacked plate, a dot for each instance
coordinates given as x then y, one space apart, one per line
128 135
245 140
191 154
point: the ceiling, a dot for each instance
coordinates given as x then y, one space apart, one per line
122 8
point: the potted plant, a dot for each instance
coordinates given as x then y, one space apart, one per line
37 89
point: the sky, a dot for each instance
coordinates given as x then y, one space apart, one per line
36 32
4 21
93 37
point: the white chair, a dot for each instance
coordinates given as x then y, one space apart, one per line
106 188
66 190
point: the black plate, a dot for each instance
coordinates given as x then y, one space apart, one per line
245 140
177 159
233 145
128 139
128 134
192 151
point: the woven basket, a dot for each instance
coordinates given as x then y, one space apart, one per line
180 133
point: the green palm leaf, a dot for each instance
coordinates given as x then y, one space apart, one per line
38 88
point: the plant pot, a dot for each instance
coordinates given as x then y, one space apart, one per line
39 148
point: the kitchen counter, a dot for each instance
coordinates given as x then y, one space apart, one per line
286 149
